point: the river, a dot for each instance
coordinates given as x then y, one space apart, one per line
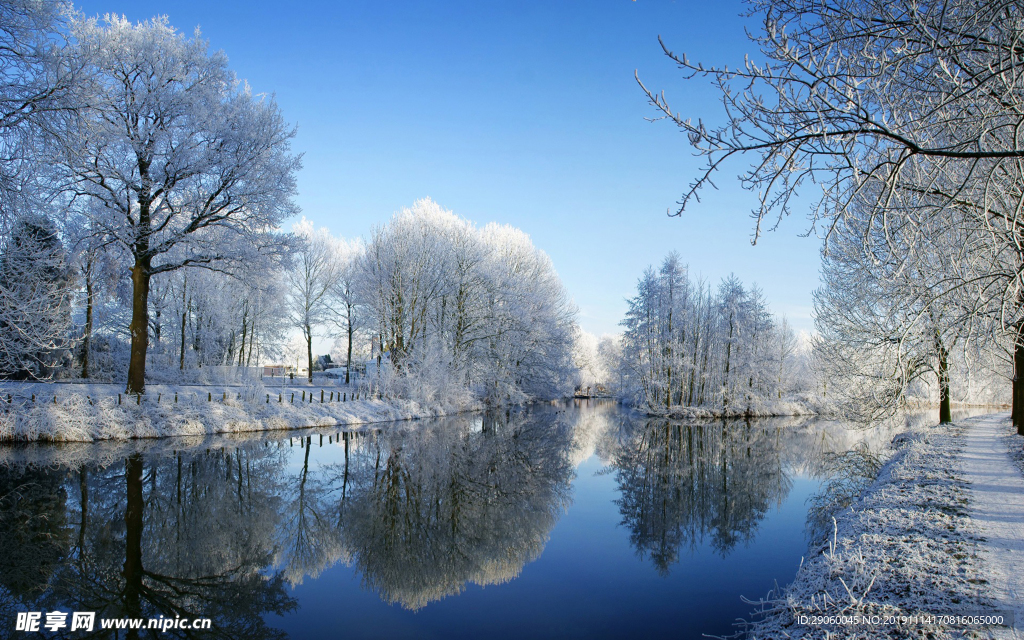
574 520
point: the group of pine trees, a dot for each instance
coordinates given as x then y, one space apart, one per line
686 344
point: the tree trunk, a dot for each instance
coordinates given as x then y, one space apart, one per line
348 359
139 326
184 321
728 359
87 334
945 410
309 350
1018 380
252 340
245 330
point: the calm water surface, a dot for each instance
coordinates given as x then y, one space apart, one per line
557 521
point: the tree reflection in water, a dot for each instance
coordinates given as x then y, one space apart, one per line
155 536
683 483
425 511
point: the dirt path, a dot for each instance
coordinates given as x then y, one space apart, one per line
997 509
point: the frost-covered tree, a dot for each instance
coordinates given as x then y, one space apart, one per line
37 84
36 295
310 281
178 153
684 345
347 295
858 92
456 307
894 309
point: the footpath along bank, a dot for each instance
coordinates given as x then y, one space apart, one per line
932 549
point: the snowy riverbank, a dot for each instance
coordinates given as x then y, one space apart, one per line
757 408
907 547
70 413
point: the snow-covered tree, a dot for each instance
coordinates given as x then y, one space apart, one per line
347 295
178 152
310 281
453 306
36 294
37 84
894 309
683 345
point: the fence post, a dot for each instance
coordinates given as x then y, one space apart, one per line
209 396
293 397
119 398
321 396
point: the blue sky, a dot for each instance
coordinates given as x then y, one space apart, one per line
524 113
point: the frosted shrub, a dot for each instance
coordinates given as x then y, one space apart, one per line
254 391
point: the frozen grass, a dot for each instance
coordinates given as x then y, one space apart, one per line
906 547
70 414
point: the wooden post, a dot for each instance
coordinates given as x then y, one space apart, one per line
175 397
138 398
303 396
293 397
158 398
119 398
209 396
321 396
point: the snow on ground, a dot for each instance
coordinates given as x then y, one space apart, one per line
906 547
997 509
86 413
755 408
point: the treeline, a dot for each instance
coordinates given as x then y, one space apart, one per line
685 344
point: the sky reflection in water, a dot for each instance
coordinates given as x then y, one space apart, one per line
571 521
